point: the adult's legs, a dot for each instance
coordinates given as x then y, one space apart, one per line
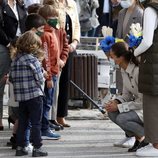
130 123
150 112
63 90
62 110
113 117
126 142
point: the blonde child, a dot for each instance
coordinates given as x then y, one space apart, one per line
26 75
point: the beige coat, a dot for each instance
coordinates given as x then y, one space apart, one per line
136 17
131 99
71 10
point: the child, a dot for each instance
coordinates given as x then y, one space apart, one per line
14 115
27 78
51 14
33 8
35 22
14 106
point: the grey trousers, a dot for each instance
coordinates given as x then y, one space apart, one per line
4 68
129 122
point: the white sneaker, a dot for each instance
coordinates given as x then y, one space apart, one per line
29 148
148 151
147 146
127 142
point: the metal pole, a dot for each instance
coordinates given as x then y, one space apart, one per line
90 99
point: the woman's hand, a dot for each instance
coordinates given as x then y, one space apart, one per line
72 46
111 106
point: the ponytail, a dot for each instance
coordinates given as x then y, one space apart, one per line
132 57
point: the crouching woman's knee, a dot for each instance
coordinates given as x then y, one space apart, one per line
112 116
121 120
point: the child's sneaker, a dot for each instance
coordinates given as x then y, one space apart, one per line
39 152
49 134
20 151
29 148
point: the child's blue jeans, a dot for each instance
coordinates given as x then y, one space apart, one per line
47 103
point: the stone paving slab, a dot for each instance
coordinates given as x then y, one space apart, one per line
90 136
84 114
85 139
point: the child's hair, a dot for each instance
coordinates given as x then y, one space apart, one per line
40 55
12 51
34 21
121 49
33 8
29 43
48 11
51 2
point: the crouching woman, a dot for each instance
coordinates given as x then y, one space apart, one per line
126 110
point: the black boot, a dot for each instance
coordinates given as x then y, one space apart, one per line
12 142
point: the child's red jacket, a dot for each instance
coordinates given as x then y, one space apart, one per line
56 47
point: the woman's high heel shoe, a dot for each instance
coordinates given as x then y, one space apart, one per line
61 120
10 120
